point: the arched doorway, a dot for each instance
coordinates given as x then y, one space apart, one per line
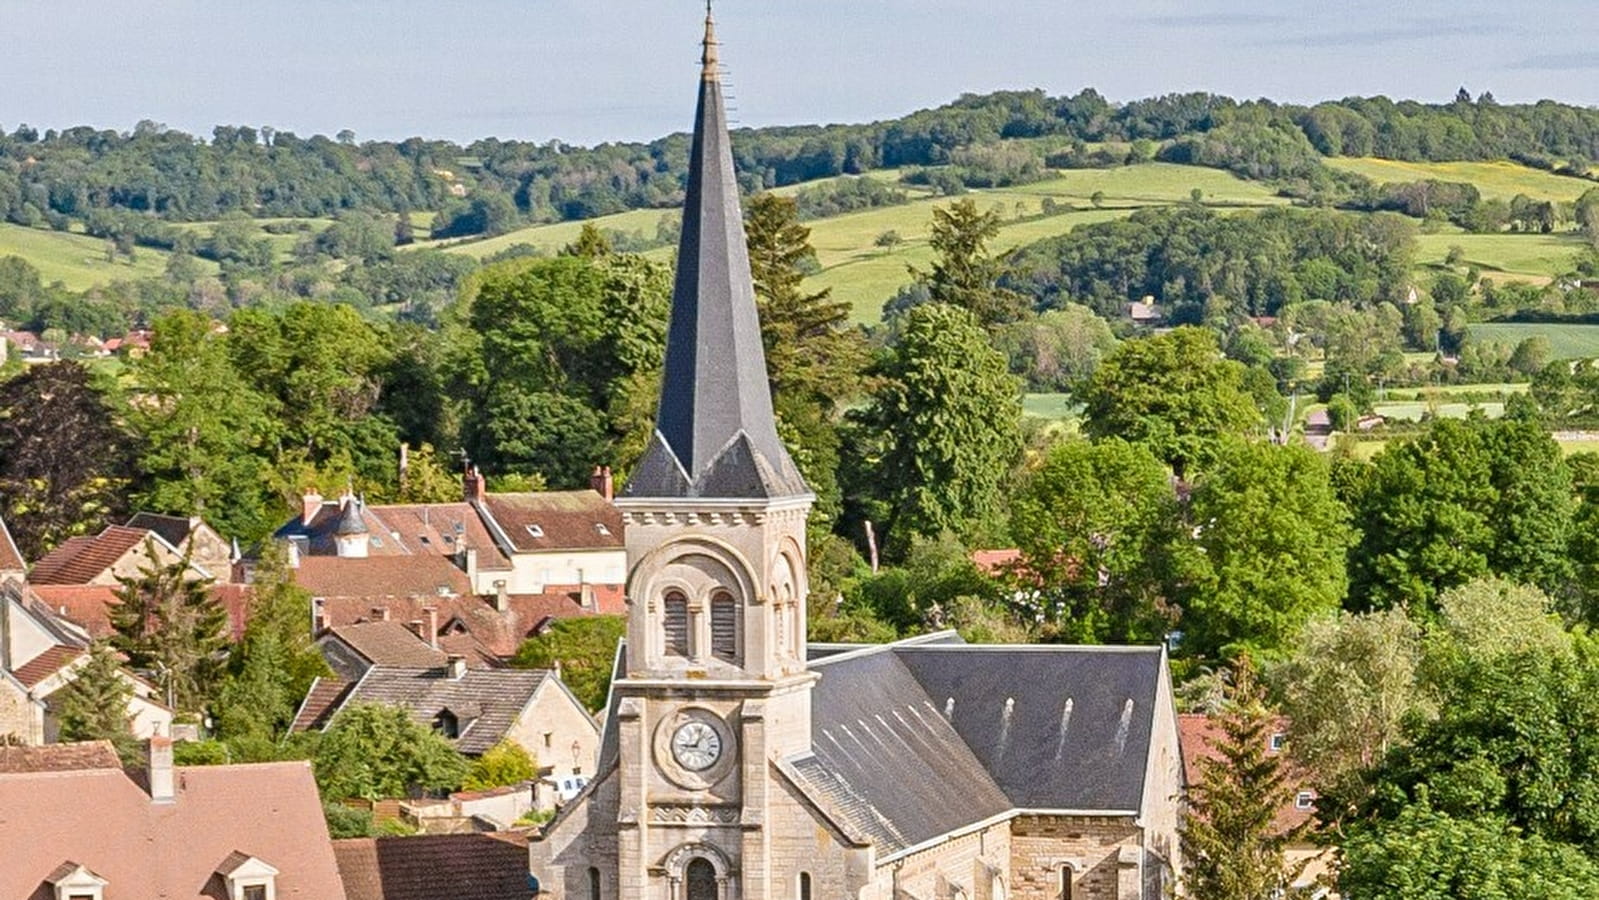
700 879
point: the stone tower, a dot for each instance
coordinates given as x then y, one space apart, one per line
716 686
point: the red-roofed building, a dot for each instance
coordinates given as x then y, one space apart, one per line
12 565
485 866
117 552
244 832
89 605
1199 734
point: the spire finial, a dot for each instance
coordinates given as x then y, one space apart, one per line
709 58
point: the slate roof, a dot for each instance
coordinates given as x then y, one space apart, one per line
59 757
488 866
556 520
173 529
486 701
81 559
715 435
102 819
317 537
351 522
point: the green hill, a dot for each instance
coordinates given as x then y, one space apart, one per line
77 260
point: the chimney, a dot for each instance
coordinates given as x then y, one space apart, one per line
319 617
158 764
432 636
473 485
415 627
585 595
380 613
602 482
456 666
502 600
558 670
310 505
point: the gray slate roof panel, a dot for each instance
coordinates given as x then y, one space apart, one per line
875 731
1056 727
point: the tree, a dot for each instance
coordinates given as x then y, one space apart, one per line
942 429
1422 854
889 240
94 704
168 623
963 272
373 751
1058 349
591 243
427 480
1347 694
206 430
64 459
585 651
1532 355
505 763
1465 499
1232 846
1175 393
1096 524
1271 539
275 662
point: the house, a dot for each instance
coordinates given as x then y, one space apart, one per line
40 653
352 650
1200 735
12 565
474 708
1145 313
527 543
88 606
190 535
734 763
79 827
30 347
485 866
115 553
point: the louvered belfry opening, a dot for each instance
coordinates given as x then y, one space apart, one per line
724 627
674 621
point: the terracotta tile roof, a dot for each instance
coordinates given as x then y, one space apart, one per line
994 562
381 577
485 702
80 560
556 520
60 629
325 696
89 605
459 866
431 528
11 560
1199 733
388 643
103 820
59 757
468 625
46 664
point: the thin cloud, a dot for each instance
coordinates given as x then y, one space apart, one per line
1398 34
1559 62
1216 20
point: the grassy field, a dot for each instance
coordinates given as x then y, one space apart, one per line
1526 257
1414 410
1565 341
77 260
1496 180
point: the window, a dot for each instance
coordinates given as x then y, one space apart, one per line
602 529
549 739
805 886
674 621
534 530
594 883
255 892
1305 800
1278 741
701 878
724 627
447 724
1066 882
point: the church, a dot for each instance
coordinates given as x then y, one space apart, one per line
739 763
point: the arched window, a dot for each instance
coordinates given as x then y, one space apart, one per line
1066 882
700 878
594 883
805 886
674 620
724 627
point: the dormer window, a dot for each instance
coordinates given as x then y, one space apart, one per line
248 878
1278 741
447 724
72 881
535 530
603 531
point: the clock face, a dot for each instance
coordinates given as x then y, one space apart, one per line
696 746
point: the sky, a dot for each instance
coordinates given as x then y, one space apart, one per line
589 71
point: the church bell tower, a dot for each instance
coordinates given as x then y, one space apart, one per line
716 685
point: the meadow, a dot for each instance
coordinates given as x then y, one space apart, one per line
1566 341
1496 180
78 260
1524 257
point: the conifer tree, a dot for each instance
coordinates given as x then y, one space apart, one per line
964 274
169 624
1231 843
94 706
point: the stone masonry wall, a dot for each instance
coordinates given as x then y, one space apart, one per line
1041 845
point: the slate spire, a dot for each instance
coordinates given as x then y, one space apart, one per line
715 435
